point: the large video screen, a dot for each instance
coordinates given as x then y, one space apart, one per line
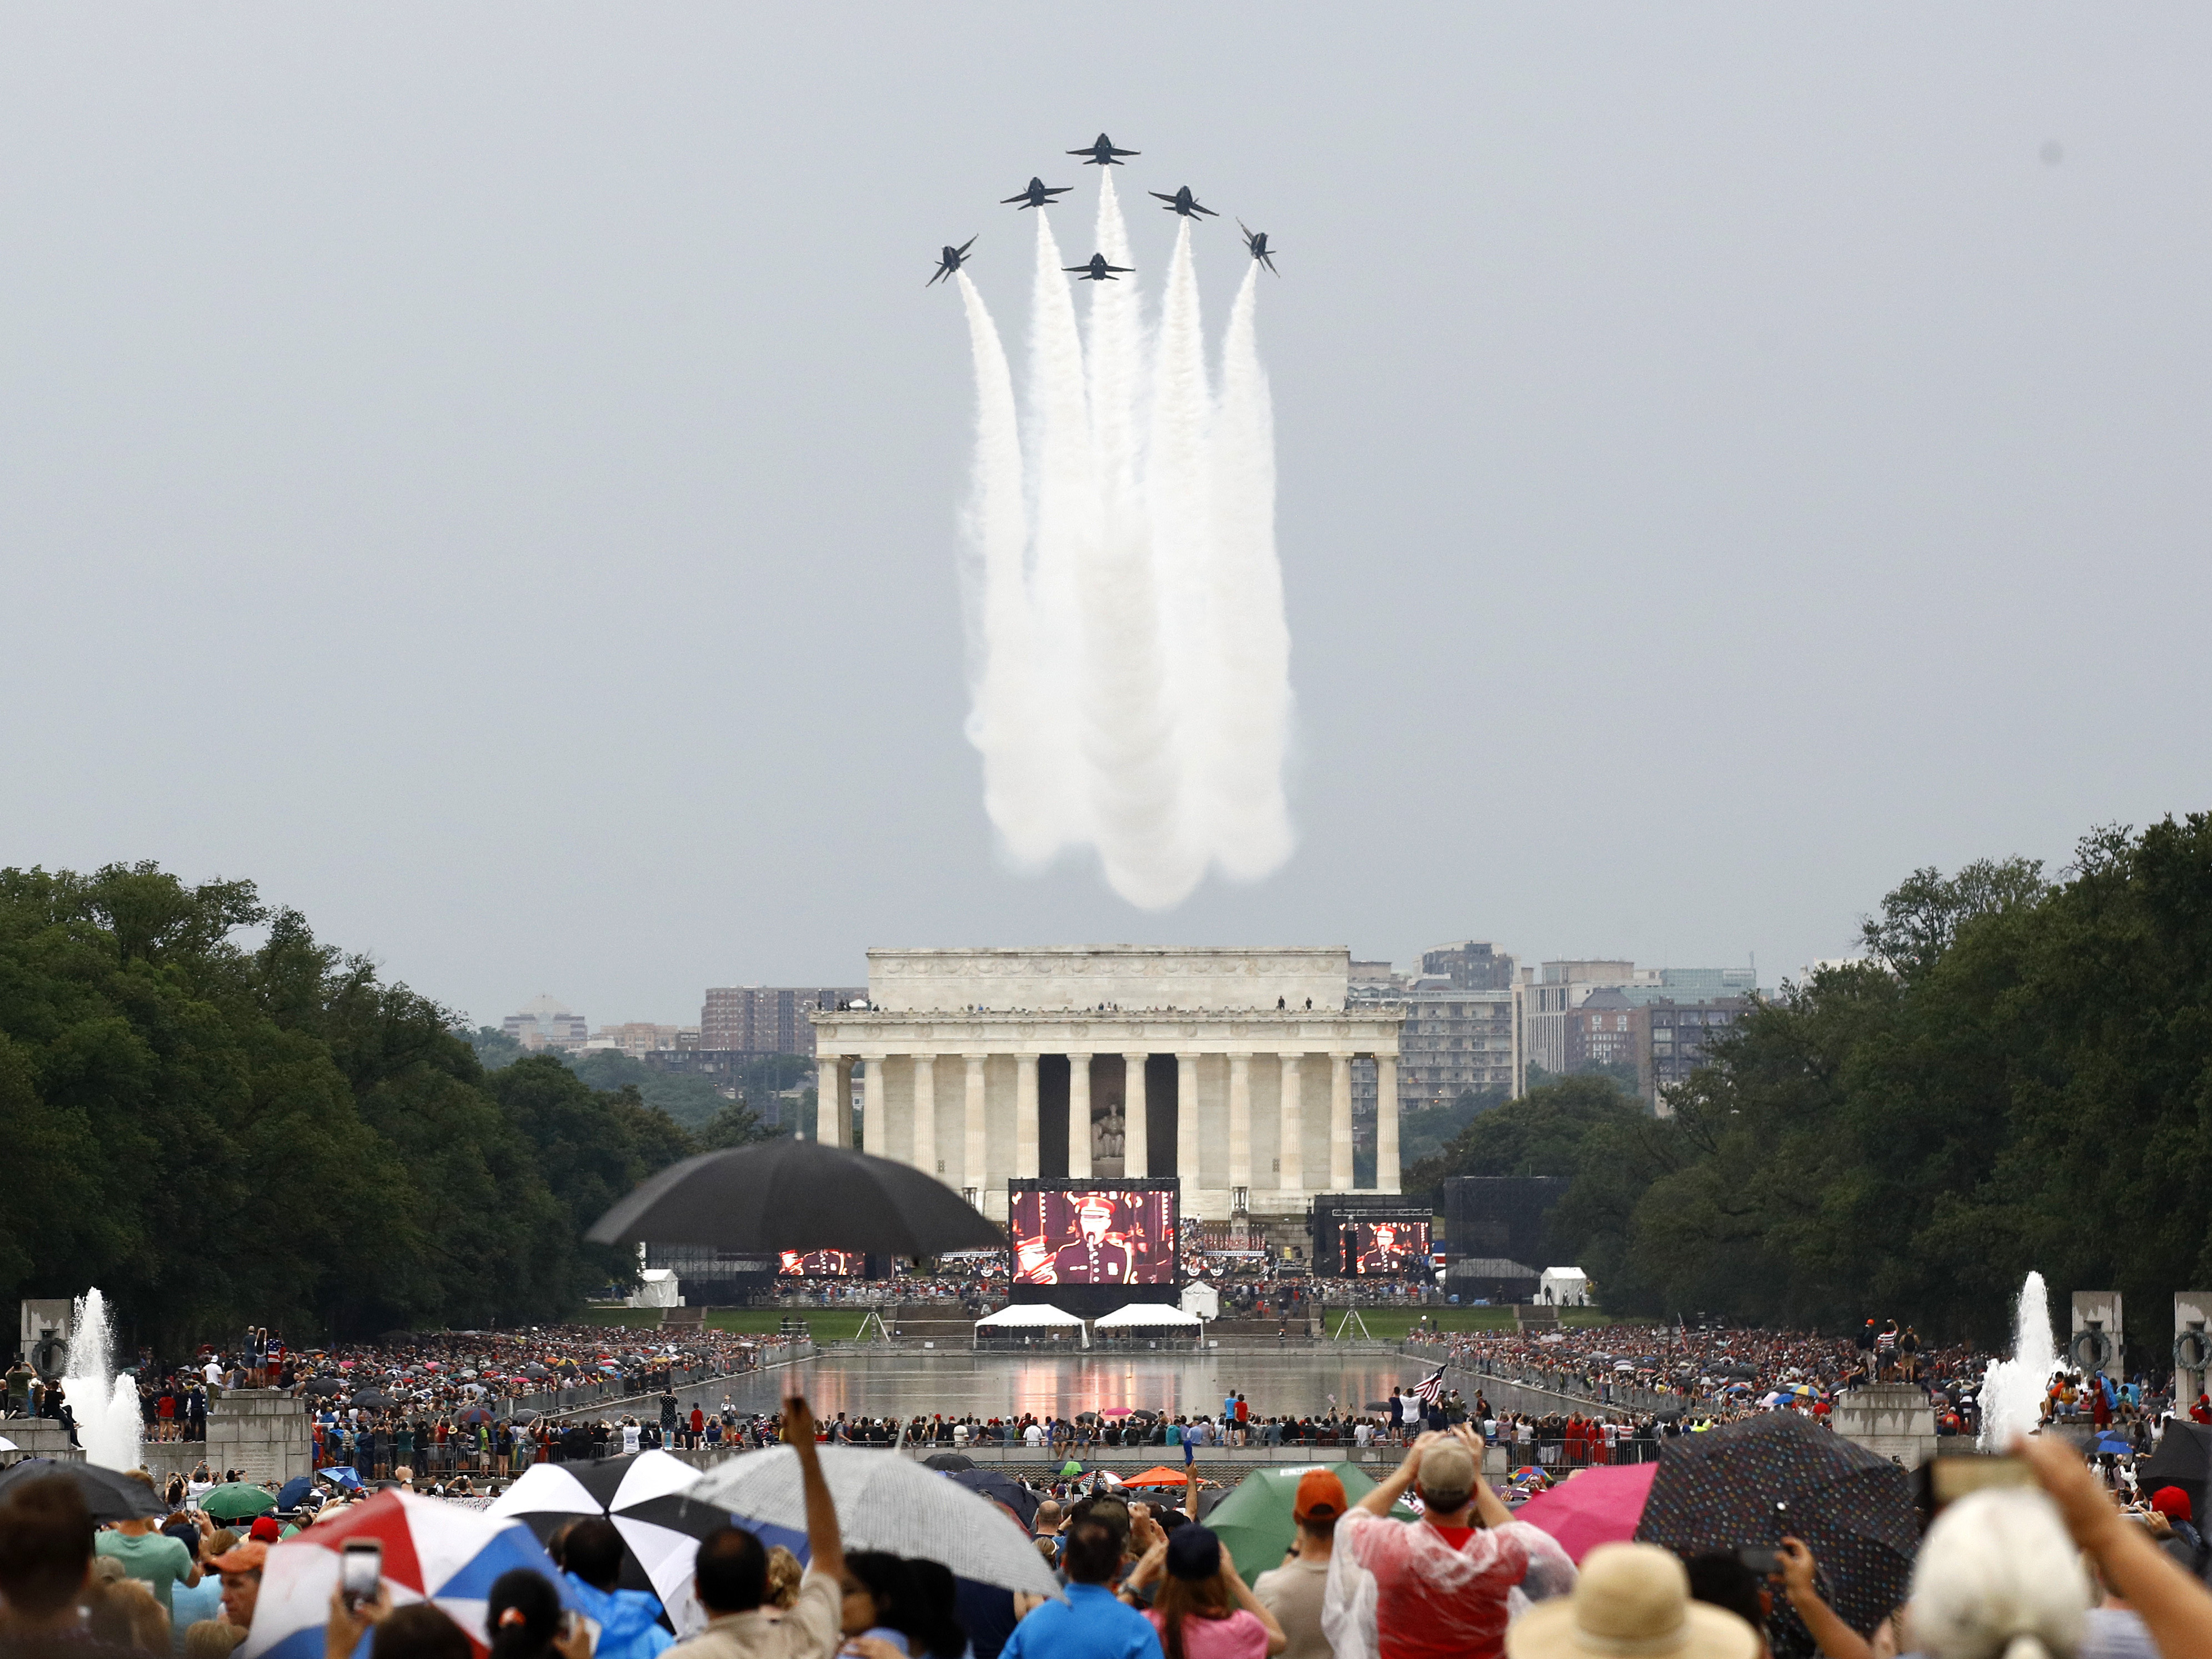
1101 1233
823 1264
1381 1248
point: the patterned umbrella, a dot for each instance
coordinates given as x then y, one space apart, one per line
643 1493
1746 1484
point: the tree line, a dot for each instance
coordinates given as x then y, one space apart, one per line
2016 1074
220 1133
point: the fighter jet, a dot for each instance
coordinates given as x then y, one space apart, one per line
950 261
1098 271
1255 244
1184 203
1103 153
1039 194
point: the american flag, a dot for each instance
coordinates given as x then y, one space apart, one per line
1431 1388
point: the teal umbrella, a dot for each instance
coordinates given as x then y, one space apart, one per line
1254 1521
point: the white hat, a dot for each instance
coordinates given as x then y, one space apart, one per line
1631 1601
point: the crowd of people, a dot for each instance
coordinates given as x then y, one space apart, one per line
2048 1568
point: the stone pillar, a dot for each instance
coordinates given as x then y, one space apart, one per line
1386 1123
1187 1123
875 1113
973 1166
925 1113
1340 1123
1136 1145
1240 1121
833 1090
1025 1117
1079 1117
1291 1138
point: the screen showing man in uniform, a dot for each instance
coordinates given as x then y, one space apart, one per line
1094 1238
1386 1249
822 1264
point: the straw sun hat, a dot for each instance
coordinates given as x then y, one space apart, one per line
1631 1601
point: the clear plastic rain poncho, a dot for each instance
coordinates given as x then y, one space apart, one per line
1438 1599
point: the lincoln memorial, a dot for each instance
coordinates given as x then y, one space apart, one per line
1229 1069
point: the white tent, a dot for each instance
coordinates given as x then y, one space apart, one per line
1564 1287
1201 1298
1030 1318
1147 1316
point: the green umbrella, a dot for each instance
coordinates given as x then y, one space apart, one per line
1071 1467
1254 1521
236 1501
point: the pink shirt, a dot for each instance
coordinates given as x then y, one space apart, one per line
1240 1636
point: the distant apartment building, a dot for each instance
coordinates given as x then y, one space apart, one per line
766 1019
1575 1013
1602 1031
637 1038
544 1022
1469 965
1676 1036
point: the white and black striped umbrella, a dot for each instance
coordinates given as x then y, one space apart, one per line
643 1493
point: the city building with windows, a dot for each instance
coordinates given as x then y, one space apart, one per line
766 1019
546 1022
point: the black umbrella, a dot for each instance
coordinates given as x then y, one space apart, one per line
2184 1459
372 1398
1745 1484
110 1496
323 1385
797 1195
643 1493
949 1462
995 1483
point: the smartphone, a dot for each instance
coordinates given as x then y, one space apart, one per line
1951 1478
1764 1561
361 1568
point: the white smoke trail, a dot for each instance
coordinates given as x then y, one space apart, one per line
1002 720
1066 527
1245 810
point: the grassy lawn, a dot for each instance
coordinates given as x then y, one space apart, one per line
828 1324
1391 1324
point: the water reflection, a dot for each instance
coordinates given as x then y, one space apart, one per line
900 1384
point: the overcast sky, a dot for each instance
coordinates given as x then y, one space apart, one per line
488 474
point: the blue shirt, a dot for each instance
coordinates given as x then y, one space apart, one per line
1090 1625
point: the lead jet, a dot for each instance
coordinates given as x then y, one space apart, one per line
1097 270
1184 203
1255 244
950 261
1039 194
1103 153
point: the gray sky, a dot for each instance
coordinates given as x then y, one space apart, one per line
488 473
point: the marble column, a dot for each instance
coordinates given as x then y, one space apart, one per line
925 1113
1290 1140
875 1113
1025 1117
1386 1123
1136 1142
1187 1123
1079 1117
1340 1123
1240 1119
833 1087
973 1170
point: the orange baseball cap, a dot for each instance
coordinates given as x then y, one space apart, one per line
1321 1497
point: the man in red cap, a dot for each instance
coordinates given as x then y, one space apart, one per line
1293 1592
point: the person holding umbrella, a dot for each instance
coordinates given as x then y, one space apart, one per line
629 1620
730 1578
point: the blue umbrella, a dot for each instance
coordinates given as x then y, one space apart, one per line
341 1474
2113 1445
288 1495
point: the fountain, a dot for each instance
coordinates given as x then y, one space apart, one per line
106 1406
2013 1389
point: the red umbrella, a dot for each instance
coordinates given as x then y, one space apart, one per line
1595 1506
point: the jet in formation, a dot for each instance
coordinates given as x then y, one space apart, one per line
1184 203
1103 153
1097 270
950 261
1255 244
1039 194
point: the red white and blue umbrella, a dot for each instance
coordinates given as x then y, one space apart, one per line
433 1551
